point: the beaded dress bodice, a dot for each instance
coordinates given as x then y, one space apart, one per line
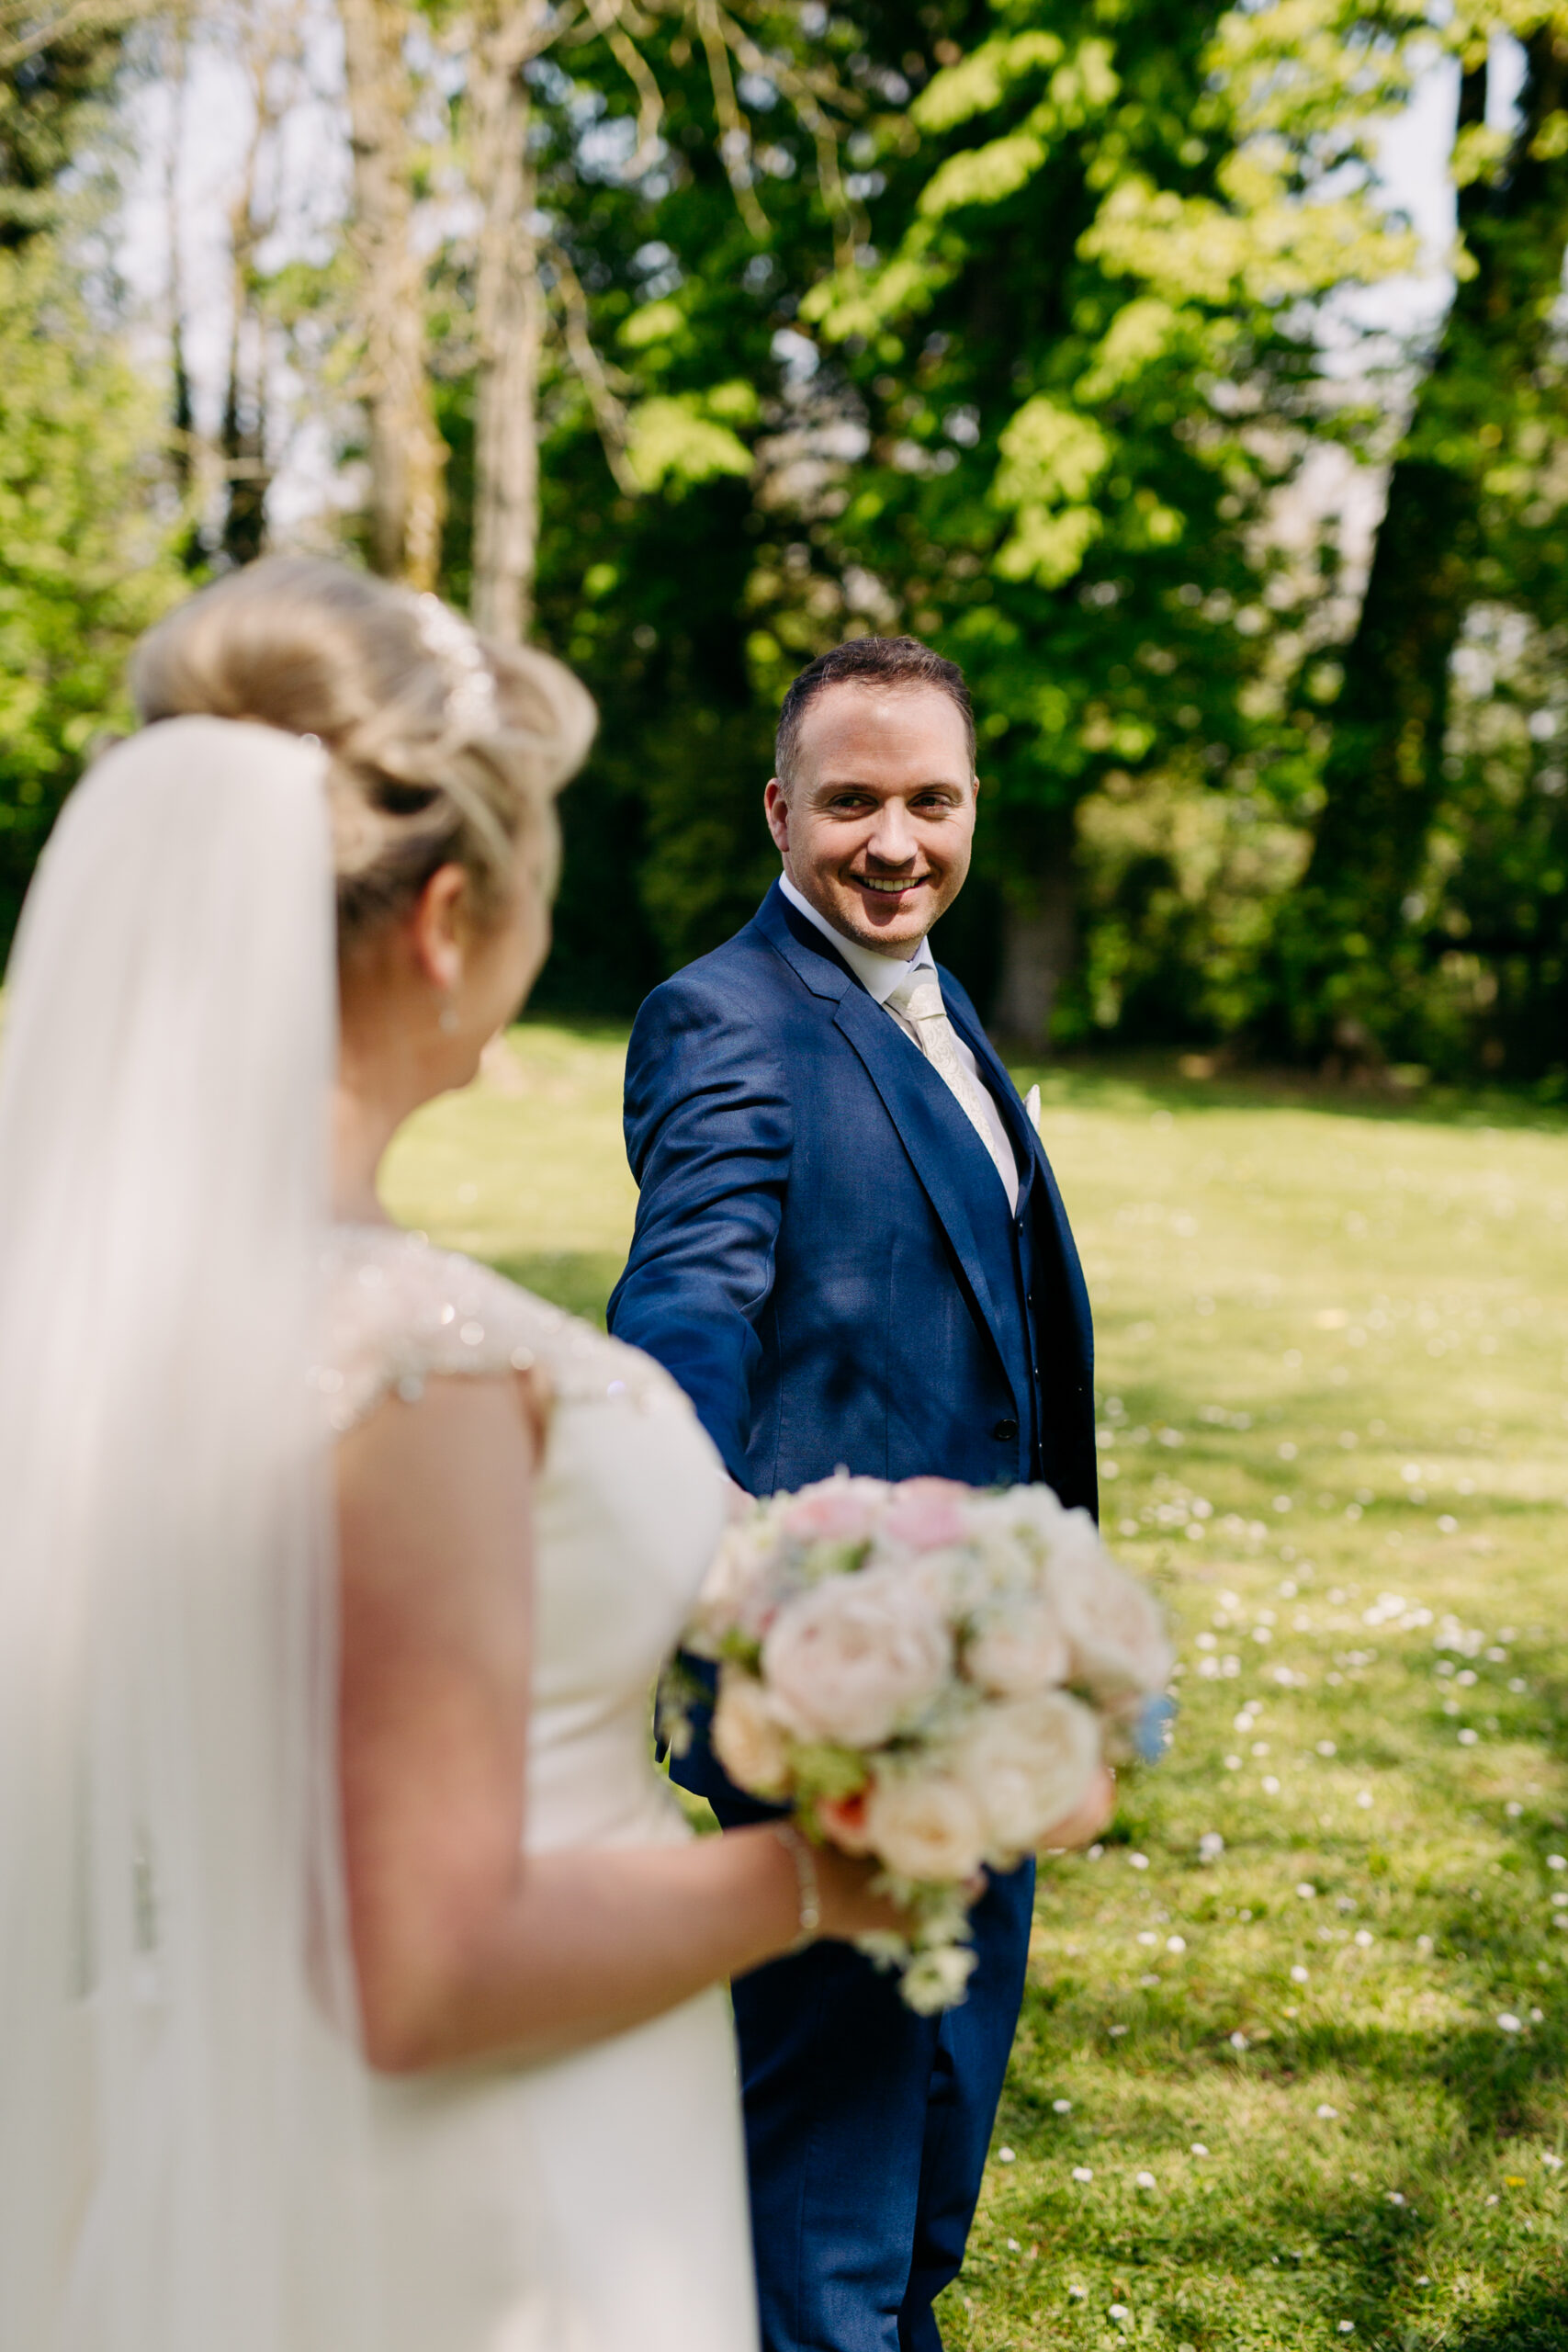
400 1312
629 1506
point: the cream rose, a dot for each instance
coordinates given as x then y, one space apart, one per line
925 1825
1114 1629
747 1737
1018 1648
1026 1763
857 1657
737 1595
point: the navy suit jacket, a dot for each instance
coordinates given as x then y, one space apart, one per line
823 1256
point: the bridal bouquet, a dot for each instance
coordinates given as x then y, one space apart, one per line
928 1674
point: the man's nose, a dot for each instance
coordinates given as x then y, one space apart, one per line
892 839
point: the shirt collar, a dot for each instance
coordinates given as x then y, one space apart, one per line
878 974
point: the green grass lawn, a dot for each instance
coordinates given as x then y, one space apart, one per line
1305 2087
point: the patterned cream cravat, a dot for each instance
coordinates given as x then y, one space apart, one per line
918 998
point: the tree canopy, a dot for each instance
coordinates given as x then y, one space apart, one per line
1053 330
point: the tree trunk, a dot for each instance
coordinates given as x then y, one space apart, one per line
182 408
242 447
1345 936
510 322
408 455
1039 948
242 435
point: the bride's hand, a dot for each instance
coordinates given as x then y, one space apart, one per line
844 1896
1088 1817
844 1881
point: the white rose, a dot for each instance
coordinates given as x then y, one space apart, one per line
1114 1629
1017 1649
737 1594
1026 1763
1036 1508
856 1657
747 1737
938 1979
925 1825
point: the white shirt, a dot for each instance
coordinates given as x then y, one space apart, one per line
879 975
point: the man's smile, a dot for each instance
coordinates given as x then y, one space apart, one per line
893 888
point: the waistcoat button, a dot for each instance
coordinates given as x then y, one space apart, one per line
1004 1430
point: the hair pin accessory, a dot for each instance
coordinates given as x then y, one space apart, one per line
471 686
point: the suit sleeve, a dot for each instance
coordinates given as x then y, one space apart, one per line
709 1131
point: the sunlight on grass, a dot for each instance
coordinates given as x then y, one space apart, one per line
1291 2070
528 1169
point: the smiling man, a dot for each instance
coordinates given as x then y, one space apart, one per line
850 1250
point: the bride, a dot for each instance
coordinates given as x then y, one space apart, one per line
360 1989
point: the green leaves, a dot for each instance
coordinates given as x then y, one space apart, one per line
1052 460
675 440
983 175
85 538
980 81
654 322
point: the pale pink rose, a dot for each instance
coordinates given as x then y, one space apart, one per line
1114 1630
1018 1648
747 1738
926 1513
838 1511
1026 1763
925 1825
856 1657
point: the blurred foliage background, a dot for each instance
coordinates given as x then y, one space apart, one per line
1083 338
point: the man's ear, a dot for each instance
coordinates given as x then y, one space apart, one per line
775 807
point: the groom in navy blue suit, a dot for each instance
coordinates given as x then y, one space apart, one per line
849 1248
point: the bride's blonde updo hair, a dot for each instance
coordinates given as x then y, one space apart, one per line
445 749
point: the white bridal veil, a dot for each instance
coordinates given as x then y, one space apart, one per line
179 2100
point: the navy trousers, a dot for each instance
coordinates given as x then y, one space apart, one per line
866 2125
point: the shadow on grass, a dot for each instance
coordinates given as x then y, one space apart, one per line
1537 2322
1143 1081
1492 2076
579 1280
1364 2247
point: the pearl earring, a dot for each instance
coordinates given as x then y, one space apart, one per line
448 1019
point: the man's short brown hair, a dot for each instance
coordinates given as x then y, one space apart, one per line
893 664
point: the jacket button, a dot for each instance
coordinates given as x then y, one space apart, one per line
1004 1430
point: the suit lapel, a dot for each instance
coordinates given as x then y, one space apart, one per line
938 1137
803 947
931 1125
1031 1152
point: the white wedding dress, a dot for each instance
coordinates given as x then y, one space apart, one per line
596 2203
